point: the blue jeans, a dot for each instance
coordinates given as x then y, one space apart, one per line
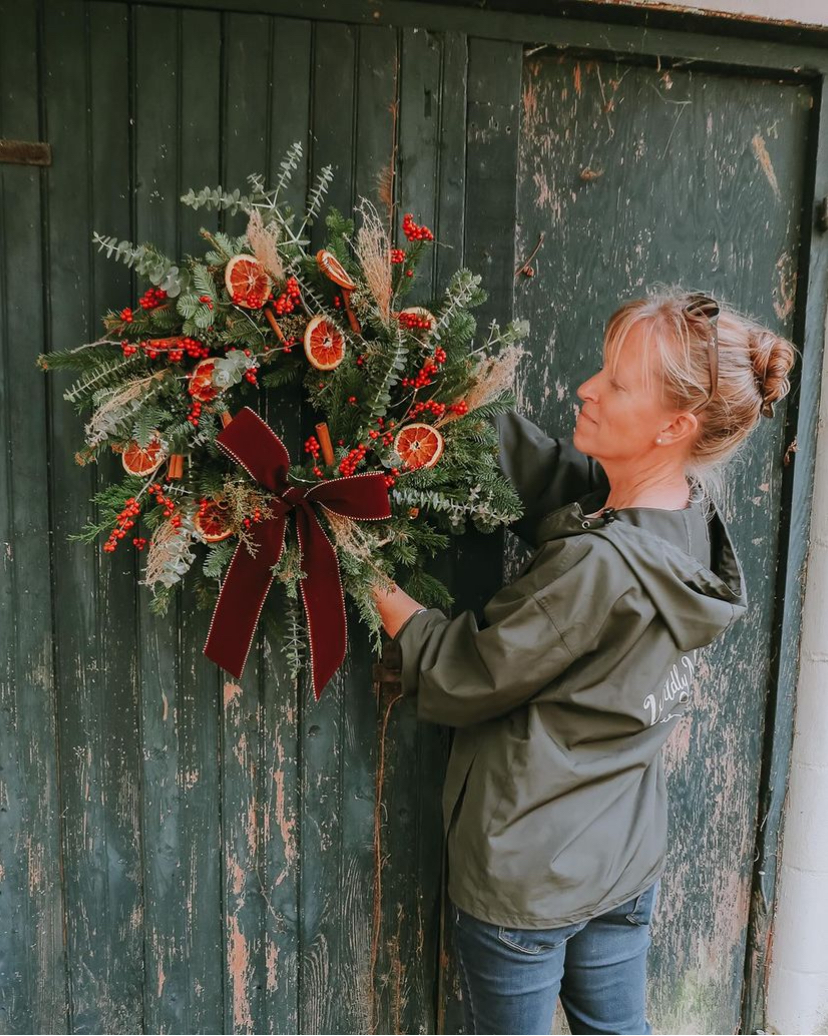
511 977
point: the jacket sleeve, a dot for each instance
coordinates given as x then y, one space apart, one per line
463 674
546 473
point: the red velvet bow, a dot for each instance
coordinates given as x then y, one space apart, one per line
256 447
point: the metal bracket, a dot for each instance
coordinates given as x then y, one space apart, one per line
25 152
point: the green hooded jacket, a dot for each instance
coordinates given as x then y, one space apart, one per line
555 803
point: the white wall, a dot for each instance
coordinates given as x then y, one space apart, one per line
804 12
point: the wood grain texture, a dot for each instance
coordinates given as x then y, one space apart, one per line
33 987
636 177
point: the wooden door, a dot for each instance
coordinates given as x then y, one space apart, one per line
182 853
635 176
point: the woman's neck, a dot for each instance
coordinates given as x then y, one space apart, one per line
667 488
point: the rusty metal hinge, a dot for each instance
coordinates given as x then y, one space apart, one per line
25 152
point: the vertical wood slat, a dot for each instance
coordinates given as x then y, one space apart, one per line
32 965
114 1002
324 949
796 505
491 130
199 769
255 1000
181 875
407 958
280 861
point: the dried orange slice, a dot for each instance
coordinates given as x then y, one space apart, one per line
333 269
212 520
324 344
419 445
143 461
247 282
201 381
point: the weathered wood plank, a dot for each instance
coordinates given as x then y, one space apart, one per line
198 701
326 966
33 991
491 131
245 809
679 177
170 829
796 506
408 851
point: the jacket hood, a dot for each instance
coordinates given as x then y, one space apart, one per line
684 559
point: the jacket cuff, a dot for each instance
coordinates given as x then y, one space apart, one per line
412 637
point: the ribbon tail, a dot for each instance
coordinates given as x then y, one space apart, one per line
324 600
242 598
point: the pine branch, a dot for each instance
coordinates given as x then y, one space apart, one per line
105 374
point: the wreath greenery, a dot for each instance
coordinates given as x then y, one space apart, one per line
397 390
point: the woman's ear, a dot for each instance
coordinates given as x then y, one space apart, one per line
683 427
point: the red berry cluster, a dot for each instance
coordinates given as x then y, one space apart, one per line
257 517
414 232
360 360
124 522
437 409
157 491
415 321
140 542
252 300
459 408
312 446
126 315
250 373
348 464
153 298
392 478
207 300
429 368
397 256
289 299
194 349
195 413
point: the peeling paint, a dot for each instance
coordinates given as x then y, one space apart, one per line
765 164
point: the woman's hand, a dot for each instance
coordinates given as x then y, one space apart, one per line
394 606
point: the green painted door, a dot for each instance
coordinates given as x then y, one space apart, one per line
182 854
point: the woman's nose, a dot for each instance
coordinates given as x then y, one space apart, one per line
586 390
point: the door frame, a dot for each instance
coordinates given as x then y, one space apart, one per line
716 44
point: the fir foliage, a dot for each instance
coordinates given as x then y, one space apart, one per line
139 381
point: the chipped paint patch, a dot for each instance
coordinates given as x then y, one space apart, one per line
764 160
231 692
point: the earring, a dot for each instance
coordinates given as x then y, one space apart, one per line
658 441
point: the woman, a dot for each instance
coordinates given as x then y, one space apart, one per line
555 803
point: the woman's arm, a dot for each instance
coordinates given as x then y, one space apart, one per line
463 674
546 473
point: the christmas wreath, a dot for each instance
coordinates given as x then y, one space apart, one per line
404 451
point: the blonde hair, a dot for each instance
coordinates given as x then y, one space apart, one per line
754 364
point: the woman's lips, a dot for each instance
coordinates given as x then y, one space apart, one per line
585 416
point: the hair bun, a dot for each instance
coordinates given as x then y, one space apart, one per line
772 358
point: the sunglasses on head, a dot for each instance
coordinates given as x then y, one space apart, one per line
701 305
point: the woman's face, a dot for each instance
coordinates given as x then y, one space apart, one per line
622 415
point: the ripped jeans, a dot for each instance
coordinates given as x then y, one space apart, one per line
511 977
